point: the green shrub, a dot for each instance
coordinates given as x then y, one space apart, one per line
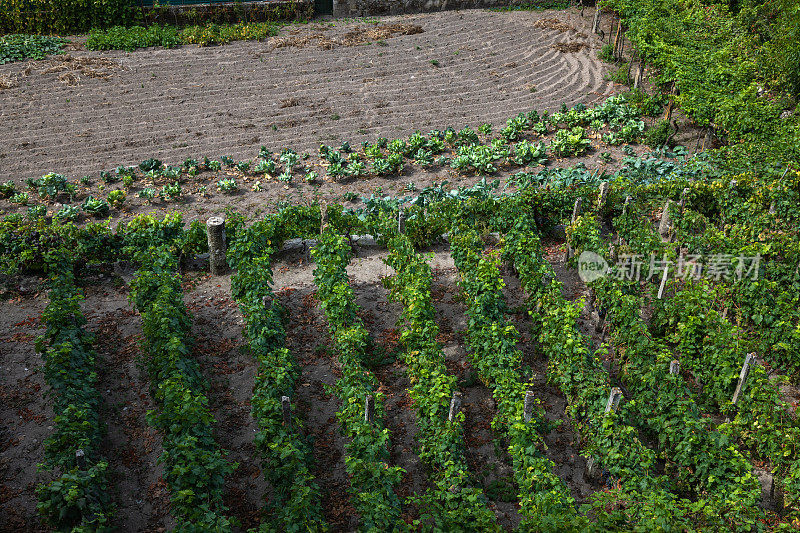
22 47
620 74
121 38
657 135
606 53
224 33
62 16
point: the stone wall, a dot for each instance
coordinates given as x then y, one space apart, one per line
366 8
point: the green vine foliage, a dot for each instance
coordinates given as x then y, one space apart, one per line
735 71
286 456
452 504
194 465
545 502
79 497
372 478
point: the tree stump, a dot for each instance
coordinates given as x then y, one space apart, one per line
217 247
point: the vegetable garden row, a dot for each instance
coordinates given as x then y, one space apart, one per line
685 437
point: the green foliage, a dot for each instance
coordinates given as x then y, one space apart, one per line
657 135
79 497
227 185
372 479
123 38
64 17
116 198
606 53
728 75
212 34
131 38
545 502
21 47
440 440
97 207
570 142
194 465
286 456
620 74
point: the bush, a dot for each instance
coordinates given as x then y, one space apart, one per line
22 47
62 16
121 38
657 135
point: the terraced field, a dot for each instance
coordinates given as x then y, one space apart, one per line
324 82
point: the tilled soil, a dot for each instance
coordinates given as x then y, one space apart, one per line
324 82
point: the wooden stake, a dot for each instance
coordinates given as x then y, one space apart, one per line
675 367
287 411
613 399
748 361
401 221
215 230
637 80
663 282
369 409
323 216
530 402
616 40
455 405
576 210
80 459
596 21
602 195
665 226
682 204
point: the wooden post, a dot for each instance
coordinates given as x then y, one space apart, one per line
675 367
80 459
613 399
576 212
663 282
602 195
596 21
612 252
591 468
673 91
665 226
323 214
530 402
455 405
748 361
215 229
772 209
287 411
401 221
616 40
637 80
684 194
369 409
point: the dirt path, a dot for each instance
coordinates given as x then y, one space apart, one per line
295 90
